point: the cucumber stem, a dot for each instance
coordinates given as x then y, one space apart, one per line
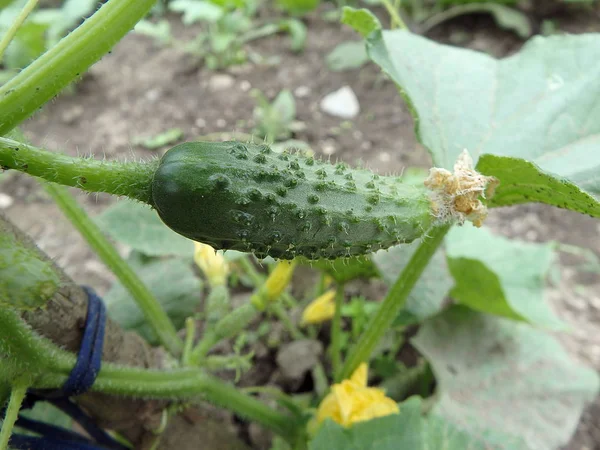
50 367
131 179
393 302
336 332
17 395
39 82
18 21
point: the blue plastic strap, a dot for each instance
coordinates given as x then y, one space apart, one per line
81 379
22 442
89 359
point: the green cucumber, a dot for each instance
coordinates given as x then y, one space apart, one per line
247 197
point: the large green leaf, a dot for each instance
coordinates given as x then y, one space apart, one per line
405 431
503 380
541 105
138 226
540 186
500 276
173 283
427 297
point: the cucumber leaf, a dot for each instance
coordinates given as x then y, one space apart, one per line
504 381
540 107
501 276
137 225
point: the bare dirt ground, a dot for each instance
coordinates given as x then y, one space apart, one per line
141 90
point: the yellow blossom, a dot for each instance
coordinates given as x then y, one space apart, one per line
211 263
320 309
353 401
276 283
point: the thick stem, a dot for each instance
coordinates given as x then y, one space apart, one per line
228 326
24 94
132 179
393 11
17 395
393 302
183 384
286 321
335 348
60 323
50 366
19 20
153 311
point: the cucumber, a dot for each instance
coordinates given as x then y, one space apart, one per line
248 198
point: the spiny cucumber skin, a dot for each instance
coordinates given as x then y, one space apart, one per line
248 198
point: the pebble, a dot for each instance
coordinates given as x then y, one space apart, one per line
71 115
341 103
302 91
6 201
245 85
298 357
328 149
385 157
153 95
220 82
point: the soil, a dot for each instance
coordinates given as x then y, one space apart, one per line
142 89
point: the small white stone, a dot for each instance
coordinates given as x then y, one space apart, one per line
71 115
329 149
302 91
200 122
6 201
341 103
220 82
245 85
385 157
221 123
153 95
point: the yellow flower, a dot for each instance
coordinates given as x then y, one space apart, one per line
320 309
352 401
276 283
211 263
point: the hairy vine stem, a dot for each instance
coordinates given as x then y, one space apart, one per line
43 79
23 350
393 302
131 179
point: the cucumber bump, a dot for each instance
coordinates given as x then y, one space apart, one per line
246 197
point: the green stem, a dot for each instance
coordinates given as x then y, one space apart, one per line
336 332
50 366
456 11
131 179
397 21
17 395
393 302
258 280
285 320
179 384
217 304
228 326
32 355
153 312
255 276
39 82
10 34
188 343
